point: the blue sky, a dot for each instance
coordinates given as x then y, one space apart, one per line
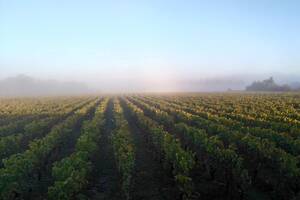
126 40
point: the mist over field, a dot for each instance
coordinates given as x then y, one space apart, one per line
24 85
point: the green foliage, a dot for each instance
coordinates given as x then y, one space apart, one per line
238 150
182 161
123 148
218 146
18 173
72 173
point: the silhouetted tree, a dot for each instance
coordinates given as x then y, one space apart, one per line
267 85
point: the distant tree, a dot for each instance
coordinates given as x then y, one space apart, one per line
267 85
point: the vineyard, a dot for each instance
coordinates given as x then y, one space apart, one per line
154 147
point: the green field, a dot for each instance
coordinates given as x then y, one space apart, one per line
151 146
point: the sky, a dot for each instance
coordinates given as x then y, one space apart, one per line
129 44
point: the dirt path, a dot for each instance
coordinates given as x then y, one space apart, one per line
150 181
105 183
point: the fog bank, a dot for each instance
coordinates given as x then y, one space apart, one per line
23 85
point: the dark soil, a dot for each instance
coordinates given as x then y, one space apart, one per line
105 183
150 181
